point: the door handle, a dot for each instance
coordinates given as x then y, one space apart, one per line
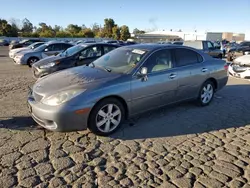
172 76
204 70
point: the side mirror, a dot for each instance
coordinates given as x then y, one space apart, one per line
144 71
46 50
81 58
142 74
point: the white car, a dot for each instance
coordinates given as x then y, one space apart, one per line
13 52
240 67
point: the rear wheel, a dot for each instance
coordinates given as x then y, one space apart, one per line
31 61
206 93
106 117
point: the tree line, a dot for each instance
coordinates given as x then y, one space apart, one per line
26 29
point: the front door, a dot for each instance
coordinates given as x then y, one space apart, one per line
159 87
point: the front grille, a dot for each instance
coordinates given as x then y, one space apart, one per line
37 97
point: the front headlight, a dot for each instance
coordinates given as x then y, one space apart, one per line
19 56
61 97
47 65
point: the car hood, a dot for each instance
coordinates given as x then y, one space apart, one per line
19 49
243 60
47 60
82 77
25 51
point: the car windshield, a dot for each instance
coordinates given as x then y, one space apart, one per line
120 60
41 48
72 50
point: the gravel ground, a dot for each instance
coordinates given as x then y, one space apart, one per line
176 146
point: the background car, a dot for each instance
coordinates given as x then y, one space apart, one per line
82 54
242 49
124 82
4 42
205 46
240 67
13 52
23 43
45 50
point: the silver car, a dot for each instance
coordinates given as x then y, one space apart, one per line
31 56
122 83
13 52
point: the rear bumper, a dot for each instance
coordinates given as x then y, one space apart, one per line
222 82
58 118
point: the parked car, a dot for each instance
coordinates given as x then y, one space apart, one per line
31 56
81 54
242 49
205 46
4 42
220 46
178 42
240 67
124 82
13 52
23 43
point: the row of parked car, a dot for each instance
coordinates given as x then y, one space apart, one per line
103 84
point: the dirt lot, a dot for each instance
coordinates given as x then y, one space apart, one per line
177 146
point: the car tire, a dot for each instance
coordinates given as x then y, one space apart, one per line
31 61
109 114
220 56
206 93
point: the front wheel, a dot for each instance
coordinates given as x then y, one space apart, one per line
206 93
106 117
31 61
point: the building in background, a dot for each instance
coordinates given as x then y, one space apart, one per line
230 36
168 36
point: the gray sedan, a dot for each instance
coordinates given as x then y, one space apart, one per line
122 83
31 56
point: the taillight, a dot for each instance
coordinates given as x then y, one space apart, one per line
226 67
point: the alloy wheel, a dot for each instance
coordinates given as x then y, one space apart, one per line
108 118
207 93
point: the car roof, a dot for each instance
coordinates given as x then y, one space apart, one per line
89 44
57 42
148 46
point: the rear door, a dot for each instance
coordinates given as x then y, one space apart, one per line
192 72
90 54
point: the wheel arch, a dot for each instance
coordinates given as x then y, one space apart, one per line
214 81
117 97
31 58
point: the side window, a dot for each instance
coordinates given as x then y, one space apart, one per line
57 47
205 47
28 42
49 48
107 49
210 45
186 57
65 46
94 51
159 61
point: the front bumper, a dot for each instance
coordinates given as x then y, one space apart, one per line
239 74
38 73
58 118
19 61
